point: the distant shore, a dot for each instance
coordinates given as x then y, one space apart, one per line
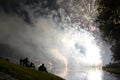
112 70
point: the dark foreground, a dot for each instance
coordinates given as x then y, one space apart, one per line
10 71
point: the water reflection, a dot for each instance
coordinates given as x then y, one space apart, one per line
95 74
85 74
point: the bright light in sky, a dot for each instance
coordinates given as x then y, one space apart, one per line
93 55
79 44
87 17
82 46
71 45
71 40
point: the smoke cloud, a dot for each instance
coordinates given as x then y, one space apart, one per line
50 32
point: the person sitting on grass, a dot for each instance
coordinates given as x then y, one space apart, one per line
42 68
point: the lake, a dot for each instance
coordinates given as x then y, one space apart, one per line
85 74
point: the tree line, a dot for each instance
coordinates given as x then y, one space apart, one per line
109 19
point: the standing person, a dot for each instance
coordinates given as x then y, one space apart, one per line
32 65
25 62
21 62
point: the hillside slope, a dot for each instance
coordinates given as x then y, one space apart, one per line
18 72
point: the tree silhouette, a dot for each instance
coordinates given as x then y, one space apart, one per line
109 19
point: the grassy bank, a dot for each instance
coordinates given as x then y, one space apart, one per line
24 73
112 70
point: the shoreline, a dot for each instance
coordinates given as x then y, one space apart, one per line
112 70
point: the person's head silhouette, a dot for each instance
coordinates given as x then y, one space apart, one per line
42 64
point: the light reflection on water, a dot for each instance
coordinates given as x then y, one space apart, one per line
85 74
94 75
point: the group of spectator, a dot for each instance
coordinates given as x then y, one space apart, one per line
6 59
26 63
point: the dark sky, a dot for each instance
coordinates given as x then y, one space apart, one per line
23 8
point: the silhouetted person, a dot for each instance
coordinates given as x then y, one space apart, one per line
28 64
42 68
110 63
32 65
21 62
7 59
25 62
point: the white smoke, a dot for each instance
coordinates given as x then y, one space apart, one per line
68 40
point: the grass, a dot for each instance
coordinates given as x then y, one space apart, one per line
112 70
24 73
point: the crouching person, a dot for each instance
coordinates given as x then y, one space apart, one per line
42 68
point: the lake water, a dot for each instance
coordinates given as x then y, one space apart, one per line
85 74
